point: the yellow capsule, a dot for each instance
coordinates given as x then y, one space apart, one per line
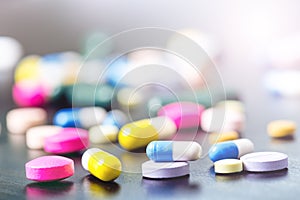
281 128
101 164
140 133
223 136
27 69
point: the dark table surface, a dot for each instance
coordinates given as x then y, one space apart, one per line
241 70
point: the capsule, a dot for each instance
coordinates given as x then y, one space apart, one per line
140 133
79 117
166 151
116 118
101 134
90 95
231 149
101 164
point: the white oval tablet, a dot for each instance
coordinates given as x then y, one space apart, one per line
21 119
161 170
35 136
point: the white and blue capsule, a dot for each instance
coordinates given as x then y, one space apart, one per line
166 151
85 117
231 149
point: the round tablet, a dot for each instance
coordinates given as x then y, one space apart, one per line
21 119
161 170
49 168
281 128
228 166
68 140
264 161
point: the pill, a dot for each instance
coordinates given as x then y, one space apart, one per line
162 170
223 136
49 168
264 161
232 105
21 119
101 164
129 98
205 97
231 149
140 133
102 134
90 95
116 118
11 51
217 119
228 166
27 69
85 117
183 114
35 136
281 128
68 140
28 93
167 151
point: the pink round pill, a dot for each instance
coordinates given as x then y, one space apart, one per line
68 140
183 114
49 168
28 94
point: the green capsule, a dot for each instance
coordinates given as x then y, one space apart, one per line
89 95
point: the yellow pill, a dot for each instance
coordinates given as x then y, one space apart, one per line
228 166
27 69
140 133
281 128
223 136
101 164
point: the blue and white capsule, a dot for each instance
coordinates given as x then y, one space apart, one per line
166 151
85 117
231 149
116 118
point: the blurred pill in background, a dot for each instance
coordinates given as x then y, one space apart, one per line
11 51
19 120
102 134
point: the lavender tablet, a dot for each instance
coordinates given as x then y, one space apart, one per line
264 161
162 170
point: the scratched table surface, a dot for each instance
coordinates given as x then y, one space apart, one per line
25 21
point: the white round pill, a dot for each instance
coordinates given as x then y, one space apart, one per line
264 161
10 51
161 170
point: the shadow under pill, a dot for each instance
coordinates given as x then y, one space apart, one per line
167 187
97 188
48 189
266 175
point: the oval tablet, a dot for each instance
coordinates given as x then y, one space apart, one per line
49 168
140 133
19 120
281 128
35 136
183 114
166 151
228 166
223 136
102 134
264 161
68 140
161 170
101 164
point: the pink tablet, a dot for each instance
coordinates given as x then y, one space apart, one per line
68 140
183 114
49 168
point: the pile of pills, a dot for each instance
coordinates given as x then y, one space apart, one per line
40 80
